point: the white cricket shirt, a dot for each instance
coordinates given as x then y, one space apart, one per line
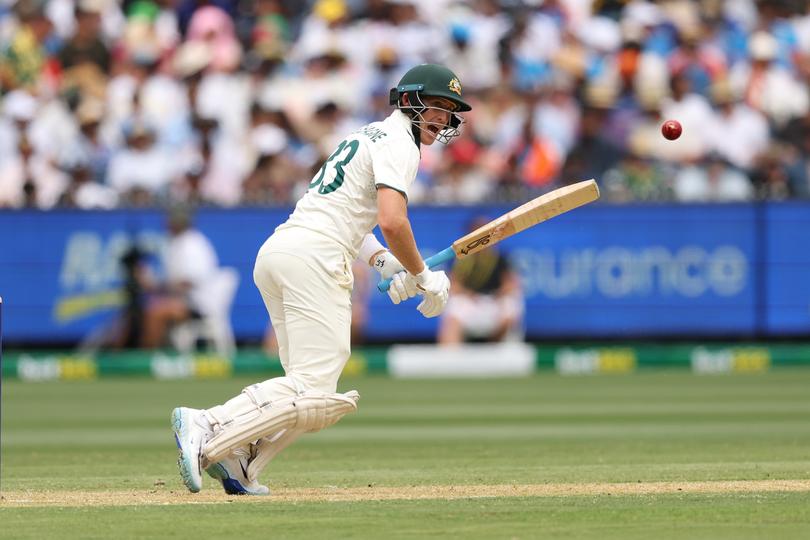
341 202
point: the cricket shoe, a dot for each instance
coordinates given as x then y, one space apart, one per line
190 438
232 473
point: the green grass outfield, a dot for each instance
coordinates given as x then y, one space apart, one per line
648 455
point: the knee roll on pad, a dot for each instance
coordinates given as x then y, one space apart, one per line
260 416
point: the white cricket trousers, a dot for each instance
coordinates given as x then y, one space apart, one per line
305 279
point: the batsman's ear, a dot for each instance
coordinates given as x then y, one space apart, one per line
393 97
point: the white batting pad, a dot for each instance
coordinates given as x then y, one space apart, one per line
259 417
268 448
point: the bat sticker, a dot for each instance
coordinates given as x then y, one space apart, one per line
484 240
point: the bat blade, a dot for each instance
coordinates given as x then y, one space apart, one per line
527 215
521 218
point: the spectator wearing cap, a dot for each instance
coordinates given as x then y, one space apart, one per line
26 167
34 137
214 26
191 266
142 170
46 123
765 85
737 132
18 110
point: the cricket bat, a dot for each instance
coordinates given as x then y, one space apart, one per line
521 218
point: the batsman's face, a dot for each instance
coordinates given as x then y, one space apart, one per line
435 116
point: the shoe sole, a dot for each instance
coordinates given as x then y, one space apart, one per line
230 485
185 462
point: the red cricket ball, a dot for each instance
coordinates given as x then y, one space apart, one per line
671 129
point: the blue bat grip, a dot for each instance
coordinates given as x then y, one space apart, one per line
432 262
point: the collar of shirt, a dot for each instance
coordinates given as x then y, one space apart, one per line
402 119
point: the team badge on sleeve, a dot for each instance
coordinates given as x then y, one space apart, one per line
454 86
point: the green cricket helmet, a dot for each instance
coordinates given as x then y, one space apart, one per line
431 80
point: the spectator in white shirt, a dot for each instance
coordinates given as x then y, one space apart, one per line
142 166
767 86
736 131
694 113
26 166
714 181
191 266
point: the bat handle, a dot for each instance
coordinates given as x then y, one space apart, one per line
432 262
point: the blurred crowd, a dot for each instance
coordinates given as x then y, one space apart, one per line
108 104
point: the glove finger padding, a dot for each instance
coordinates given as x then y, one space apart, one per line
397 292
409 283
403 286
432 305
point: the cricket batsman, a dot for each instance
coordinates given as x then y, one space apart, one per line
303 272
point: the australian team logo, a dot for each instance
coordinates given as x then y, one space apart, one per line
455 86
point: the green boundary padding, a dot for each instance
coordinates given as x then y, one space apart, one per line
48 365
577 358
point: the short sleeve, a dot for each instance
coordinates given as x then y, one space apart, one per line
395 164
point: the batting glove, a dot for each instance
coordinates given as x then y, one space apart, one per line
403 286
436 287
432 305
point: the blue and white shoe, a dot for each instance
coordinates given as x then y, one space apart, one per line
190 438
232 473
